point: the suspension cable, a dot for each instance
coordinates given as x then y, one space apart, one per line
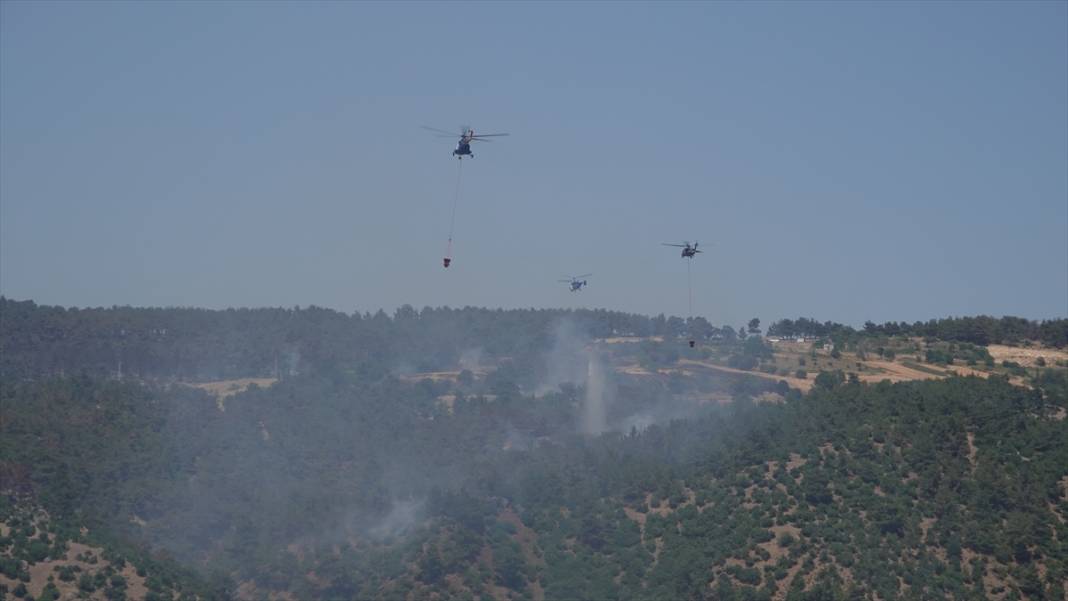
452 217
689 285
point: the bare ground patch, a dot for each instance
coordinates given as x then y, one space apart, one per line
40 572
804 385
1026 356
895 372
222 389
443 376
524 536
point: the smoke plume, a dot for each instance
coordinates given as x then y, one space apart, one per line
594 410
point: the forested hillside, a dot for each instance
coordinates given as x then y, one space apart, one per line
477 454
199 344
976 330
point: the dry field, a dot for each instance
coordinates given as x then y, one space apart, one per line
442 376
228 388
804 385
791 356
1027 356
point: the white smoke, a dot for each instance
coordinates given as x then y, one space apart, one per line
292 362
471 359
566 361
515 440
575 360
402 516
662 412
595 409
638 422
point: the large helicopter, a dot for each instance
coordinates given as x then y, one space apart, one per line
467 135
688 251
576 283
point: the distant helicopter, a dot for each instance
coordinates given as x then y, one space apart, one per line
688 251
576 283
467 135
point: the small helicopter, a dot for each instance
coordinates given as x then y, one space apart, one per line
576 283
688 251
467 135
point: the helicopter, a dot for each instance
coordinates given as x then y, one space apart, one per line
688 251
576 283
467 135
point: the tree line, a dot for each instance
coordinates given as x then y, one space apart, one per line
981 330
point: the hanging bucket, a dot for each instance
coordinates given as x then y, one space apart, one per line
446 262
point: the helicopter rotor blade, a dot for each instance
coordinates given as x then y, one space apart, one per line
585 275
440 131
678 245
490 135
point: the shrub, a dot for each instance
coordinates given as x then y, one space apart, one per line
745 362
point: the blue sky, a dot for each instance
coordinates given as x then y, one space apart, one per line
849 161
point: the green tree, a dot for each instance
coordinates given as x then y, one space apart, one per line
828 380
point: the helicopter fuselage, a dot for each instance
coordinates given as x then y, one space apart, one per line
462 149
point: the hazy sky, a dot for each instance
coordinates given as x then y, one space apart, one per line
849 161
